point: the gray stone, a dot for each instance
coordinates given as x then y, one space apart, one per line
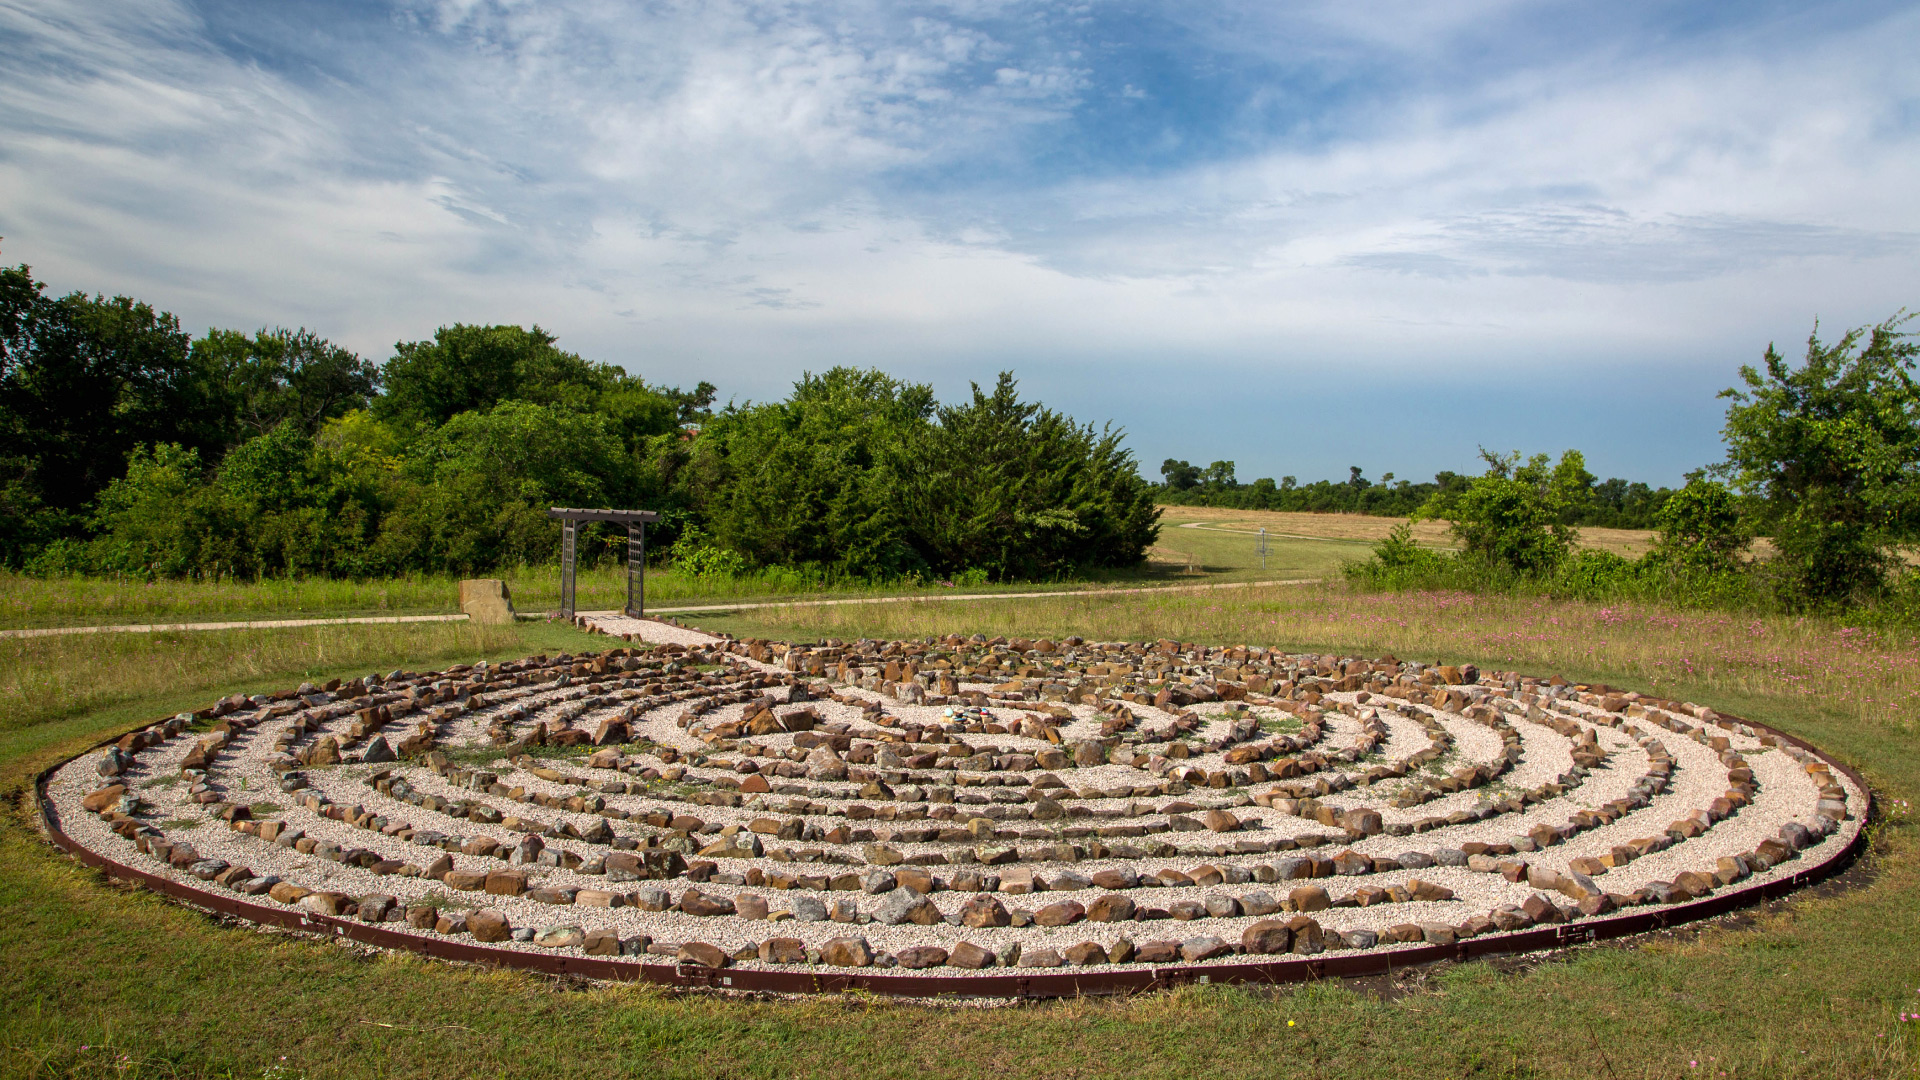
1205 947
903 905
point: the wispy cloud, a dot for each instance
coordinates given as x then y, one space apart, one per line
1262 193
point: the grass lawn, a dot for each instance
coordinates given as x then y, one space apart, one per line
103 982
1197 546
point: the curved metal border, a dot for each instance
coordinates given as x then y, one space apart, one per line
1097 980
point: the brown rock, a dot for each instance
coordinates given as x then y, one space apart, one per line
1363 821
602 942
984 911
326 903
783 950
695 902
465 880
1307 935
103 798
1062 914
1220 821
1267 937
921 956
1112 907
506 883
1309 898
847 952
1694 882
703 954
489 925
1086 954
1158 952
971 956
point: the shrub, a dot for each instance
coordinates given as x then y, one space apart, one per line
1517 516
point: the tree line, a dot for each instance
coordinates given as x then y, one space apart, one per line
128 446
1608 504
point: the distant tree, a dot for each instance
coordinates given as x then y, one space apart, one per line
1219 476
1179 476
1829 452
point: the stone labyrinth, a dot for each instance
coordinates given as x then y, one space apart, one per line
964 804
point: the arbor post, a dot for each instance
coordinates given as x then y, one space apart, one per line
636 523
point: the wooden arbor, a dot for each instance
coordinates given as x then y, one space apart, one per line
636 523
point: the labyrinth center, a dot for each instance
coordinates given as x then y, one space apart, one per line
960 806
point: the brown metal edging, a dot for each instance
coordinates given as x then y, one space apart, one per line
1346 965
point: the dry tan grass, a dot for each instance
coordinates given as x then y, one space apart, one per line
1858 672
1631 543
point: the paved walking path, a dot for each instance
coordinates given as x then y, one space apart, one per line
603 616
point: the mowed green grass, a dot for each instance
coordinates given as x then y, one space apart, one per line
27 603
104 982
1228 553
1183 556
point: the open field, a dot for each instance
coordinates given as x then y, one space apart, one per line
1183 556
1196 545
1356 531
103 982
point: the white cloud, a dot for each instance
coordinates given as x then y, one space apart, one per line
736 191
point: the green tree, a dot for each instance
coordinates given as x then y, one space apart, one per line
1179 475
1829 452
83 381
806 482
471 368
273 376
1517 515
474 493
162 519
1701 529
1020 491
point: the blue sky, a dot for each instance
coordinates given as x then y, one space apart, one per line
1297 236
